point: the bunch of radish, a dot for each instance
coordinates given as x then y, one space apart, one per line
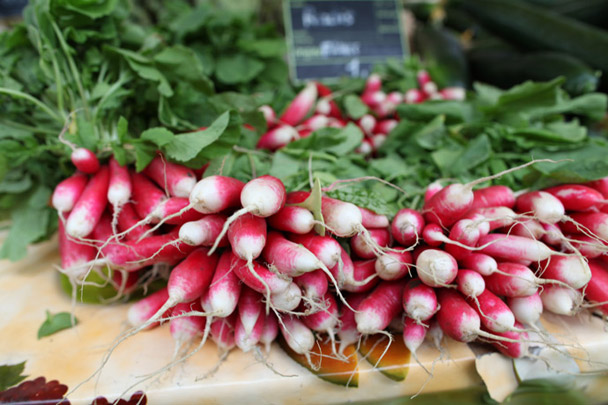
250 261
315 107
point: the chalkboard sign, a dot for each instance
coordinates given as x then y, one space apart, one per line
334 38
11 8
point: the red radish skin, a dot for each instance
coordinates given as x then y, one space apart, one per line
436 268
268 280
358 275
144 309
67 192
289 258
362 248
561 300
373 98
553 235
178 180
85 160
269 115
147 197
407 227
224 290
595 223
413 334
493 196
528 228
376 311
393 265
90 206
325 320
299 337
348 333
326 248
597 290
414 96
342 218
456 317
247 236
495 315
222 332
464 232
370 219
585 245
190 279
244 340
449 204
527 310
577 197
292 219
433 235
367 123
600 185
75 257
517 346
544 206
326 105
492 218
453 93
316 122
214 194
301 105
572 270
470 283
277 137
314 284
512 280
168 210
119 186
203 232
373 83
128 220
513 248
250 309
385 126
479 262
419 301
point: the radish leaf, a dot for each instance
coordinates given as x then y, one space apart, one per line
55 323
11 375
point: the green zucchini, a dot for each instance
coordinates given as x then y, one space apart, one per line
536 28
504 67
443 56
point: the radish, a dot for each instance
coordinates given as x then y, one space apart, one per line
287 300
224 290
419 301
67 192
512 280
176 179
270 330
495 315
76 258
370 219
431 190
263 196
377 310
300 106
561 300
298 337
513 248
577 197
526 310
203 232
493 196
292 219
449 204
326 248
571 270
214 194
373 98
357 276
553 235
597 289
247 236
433 236
517 344
245 340
413 335
341 218
414 96
119 187
269 115
130 224
436 268
222 332
325 320
314 284
316 122
479 262
347 332
492 218
528 228
459 320
85 160
595 223
250 309
373 83
393 265
147 197
385 126
277 137
90 206
326 105
144 309
470 283
584 245
185 328
263 281
453 93
361 248
367 123
543 205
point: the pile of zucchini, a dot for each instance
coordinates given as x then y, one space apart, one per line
506 42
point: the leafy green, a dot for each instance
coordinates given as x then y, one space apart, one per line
55 323
11 375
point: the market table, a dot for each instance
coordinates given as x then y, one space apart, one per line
30 287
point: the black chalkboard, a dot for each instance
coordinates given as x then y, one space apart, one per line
12 8
334 38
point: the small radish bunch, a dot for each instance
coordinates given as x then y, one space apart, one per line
315 107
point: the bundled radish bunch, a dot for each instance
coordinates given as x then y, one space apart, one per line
251 260
315 107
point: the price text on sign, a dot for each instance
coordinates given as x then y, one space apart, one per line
330 39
